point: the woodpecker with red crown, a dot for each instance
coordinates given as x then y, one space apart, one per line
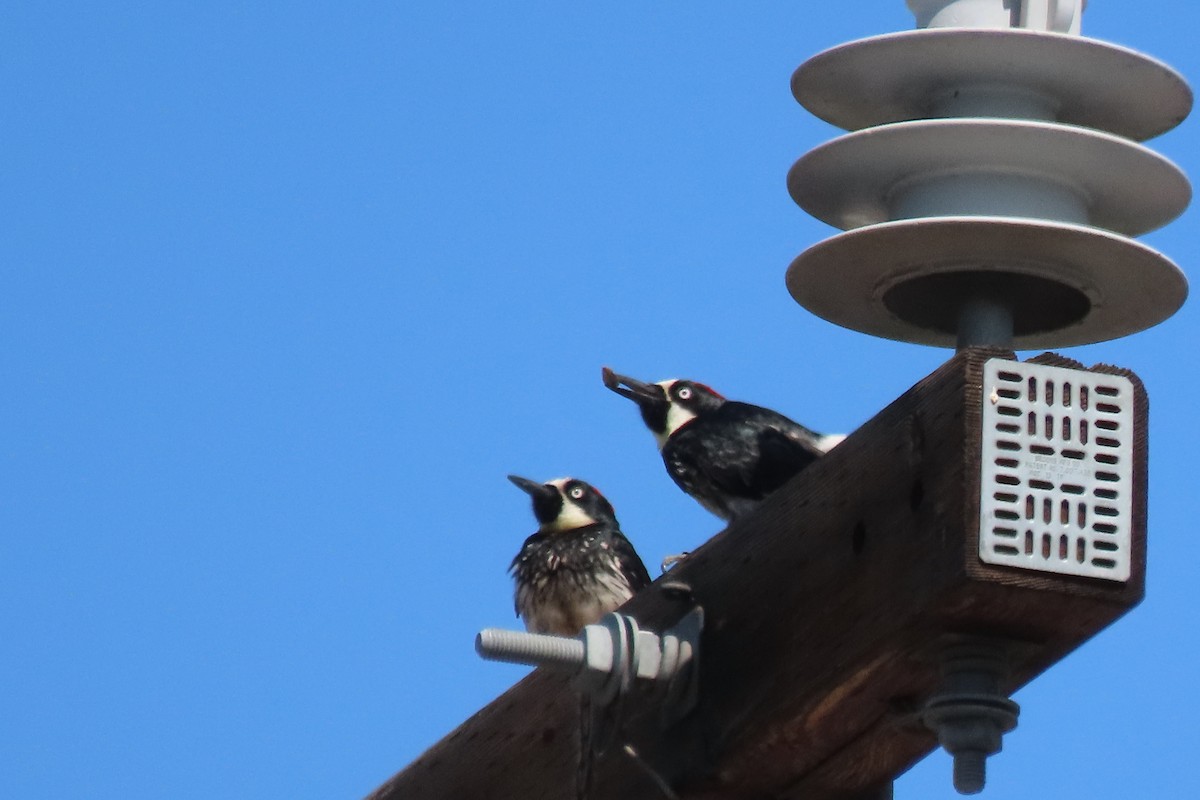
726 454
578 566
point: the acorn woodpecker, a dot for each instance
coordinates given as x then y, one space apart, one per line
578 566
728 455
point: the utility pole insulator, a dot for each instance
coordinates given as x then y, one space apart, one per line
991 180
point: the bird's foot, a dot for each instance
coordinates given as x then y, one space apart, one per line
671 561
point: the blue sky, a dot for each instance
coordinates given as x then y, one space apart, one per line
288 290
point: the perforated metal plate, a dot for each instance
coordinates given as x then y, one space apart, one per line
1056 479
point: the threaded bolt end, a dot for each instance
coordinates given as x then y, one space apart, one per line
533 649
970 771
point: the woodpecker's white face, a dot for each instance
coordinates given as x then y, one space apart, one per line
678 414
665 406
572 515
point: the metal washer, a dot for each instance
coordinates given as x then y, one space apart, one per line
893 77
1075 284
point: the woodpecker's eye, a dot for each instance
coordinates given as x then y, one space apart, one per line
684 393
576 492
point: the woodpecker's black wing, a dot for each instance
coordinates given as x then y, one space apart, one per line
631 565
781 456
736 455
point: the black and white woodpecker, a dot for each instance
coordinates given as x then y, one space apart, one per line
727 455
578 566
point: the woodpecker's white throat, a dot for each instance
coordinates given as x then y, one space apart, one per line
571 516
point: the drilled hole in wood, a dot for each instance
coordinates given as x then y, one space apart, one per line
859 539
916 495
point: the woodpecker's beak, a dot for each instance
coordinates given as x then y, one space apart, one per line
644 394
532 488
547 502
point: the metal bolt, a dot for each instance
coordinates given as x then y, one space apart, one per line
969 713
607 657
970 771
533 649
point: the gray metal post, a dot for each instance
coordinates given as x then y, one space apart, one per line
985 321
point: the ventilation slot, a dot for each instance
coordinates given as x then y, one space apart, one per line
1055 483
